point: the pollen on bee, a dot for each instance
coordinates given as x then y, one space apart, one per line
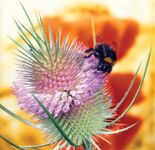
109 60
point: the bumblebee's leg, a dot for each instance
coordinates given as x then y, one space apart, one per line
88 50
88 56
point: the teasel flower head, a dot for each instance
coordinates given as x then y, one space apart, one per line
63 90
66 83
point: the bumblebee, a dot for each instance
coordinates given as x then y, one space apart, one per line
105 55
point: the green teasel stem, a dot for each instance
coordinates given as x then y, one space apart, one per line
120 130
137 92
36 146
128 90
11 143
17 117
24 147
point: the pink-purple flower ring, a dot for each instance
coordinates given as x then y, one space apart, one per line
64 91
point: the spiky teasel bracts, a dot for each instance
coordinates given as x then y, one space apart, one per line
64 90
68 85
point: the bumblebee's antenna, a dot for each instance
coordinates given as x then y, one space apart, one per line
93 32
